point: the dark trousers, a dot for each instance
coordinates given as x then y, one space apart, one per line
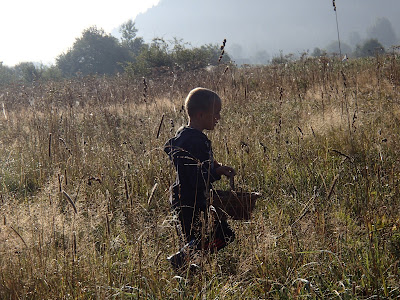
203 236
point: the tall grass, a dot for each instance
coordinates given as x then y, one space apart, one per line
84 184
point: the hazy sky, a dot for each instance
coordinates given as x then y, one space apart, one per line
40 30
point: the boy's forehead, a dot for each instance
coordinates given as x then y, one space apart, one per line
216 102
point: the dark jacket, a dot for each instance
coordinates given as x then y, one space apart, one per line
191 153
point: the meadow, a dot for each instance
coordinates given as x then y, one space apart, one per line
84 201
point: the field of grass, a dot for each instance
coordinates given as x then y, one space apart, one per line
84 209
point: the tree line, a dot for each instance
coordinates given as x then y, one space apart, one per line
96 52
380 37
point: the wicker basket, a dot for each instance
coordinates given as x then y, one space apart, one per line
237 204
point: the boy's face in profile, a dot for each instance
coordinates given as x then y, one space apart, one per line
210 118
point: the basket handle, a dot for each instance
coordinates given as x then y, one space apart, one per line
232 182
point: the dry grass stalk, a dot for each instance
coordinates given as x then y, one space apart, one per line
126 189
17 233
159 126
332 186
50 145
70 201
153 189
4 111
222 50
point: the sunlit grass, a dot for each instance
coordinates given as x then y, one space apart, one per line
319 140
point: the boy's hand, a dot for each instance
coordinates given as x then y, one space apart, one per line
225 170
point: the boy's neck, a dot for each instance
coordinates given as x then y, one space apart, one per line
195 125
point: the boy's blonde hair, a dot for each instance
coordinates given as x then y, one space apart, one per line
200 99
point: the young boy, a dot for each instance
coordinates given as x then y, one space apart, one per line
191 153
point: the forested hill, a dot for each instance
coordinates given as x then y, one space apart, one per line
258 24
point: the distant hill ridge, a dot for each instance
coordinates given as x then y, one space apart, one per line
255 25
